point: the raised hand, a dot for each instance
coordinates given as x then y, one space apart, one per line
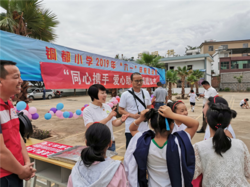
124 117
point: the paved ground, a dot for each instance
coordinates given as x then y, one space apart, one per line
71 131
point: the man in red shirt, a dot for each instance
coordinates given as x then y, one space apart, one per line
15 164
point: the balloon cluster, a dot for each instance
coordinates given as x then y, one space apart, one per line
114 101
60 114
30 112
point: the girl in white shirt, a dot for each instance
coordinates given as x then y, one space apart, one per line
160 144
178 107
222 161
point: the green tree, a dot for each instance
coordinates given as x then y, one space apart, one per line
192 80
150 60
183 73
198 74
239 79
171 78
191 48
28 18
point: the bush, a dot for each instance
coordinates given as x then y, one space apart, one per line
174 93
248 89
40 134
227 89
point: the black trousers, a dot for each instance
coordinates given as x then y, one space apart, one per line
128 138
11 181
204 123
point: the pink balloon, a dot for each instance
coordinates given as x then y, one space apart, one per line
25 112
111 105
61 117
115 102
51 112
117 97
81 114
30 116
75 115
32 110
59 113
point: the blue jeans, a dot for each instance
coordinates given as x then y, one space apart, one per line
157 105
112 148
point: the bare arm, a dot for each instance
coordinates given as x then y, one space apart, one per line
153 99
192 124
123 111
133 128
166 99
119 122
26 157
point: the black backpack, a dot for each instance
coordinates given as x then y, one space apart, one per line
26 129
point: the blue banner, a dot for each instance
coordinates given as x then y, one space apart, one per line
28 53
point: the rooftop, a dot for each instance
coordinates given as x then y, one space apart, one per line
186 57
212 42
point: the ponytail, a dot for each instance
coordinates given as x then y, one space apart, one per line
219 116
98 137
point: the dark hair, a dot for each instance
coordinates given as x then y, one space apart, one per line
173 105
246 99
219 116
3 71
132 75
157 121
98 137
159 84
205 83
192 91
94 89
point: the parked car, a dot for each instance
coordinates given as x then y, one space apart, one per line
37 93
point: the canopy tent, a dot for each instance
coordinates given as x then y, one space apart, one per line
62 67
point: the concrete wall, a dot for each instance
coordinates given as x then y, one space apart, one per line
228 81
208 71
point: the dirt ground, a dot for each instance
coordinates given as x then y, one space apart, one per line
71 131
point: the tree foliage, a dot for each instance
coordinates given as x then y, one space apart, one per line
150 60
171 78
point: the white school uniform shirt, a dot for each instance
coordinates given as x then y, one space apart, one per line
192 97
94 113
127 102
229 128
242 102
210 92
156 164
177 128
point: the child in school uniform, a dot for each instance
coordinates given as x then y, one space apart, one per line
193 96
228 130
221 160
244 103
178 107
95 168
167 158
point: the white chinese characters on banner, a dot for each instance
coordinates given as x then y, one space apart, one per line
76 77
97 78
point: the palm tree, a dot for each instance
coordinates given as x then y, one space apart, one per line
171 78
191 48
150 60
198 74
27 18
192 80
183 73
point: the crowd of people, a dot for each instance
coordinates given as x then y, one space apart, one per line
159 151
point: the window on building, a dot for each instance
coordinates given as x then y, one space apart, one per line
189 67
224 46
243 64
171 67
245 45
211 48
224 65
244 54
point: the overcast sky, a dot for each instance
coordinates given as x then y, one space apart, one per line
131 27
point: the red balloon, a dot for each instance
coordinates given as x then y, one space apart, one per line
118 99
27 107
82 108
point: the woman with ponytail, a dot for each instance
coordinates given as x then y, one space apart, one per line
167 158
178 107
222 161
95 168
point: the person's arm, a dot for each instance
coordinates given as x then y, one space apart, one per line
118 122
26 157
166 99
133 128
10 163
123 111
153 99
192 124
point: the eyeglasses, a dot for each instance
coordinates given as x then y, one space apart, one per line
138 81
